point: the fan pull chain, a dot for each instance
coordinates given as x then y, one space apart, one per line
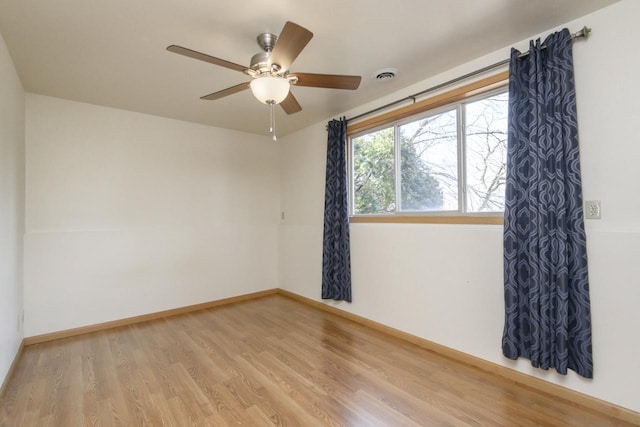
272 125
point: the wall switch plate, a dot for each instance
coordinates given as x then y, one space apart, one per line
592 209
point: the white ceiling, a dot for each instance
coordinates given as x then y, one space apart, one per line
112 52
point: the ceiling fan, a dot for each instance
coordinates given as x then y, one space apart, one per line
271 78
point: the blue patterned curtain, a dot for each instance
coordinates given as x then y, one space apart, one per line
547 306
336 258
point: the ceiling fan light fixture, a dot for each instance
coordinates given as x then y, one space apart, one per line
269 89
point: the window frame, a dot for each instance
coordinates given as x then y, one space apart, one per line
431 106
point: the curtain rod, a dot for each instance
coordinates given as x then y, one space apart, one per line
584 32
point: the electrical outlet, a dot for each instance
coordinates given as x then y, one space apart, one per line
592 209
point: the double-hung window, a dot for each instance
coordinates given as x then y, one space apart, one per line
445 162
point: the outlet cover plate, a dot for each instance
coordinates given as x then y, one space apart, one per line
592 209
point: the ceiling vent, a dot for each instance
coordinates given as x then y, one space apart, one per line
385 74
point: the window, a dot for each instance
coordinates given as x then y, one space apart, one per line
447 161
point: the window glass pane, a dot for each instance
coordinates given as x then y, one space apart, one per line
486 153
373 173
429 164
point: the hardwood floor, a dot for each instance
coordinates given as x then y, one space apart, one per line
269 361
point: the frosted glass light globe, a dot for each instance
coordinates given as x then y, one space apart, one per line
270 90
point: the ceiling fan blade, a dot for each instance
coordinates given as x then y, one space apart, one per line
226 92
290 104
331 81
290 43
204 57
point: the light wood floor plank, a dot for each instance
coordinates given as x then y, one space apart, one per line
272 361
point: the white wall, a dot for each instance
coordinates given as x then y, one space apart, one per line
11 209
444 282
128 214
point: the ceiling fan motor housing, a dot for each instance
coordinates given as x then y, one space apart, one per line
260 61
260 64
